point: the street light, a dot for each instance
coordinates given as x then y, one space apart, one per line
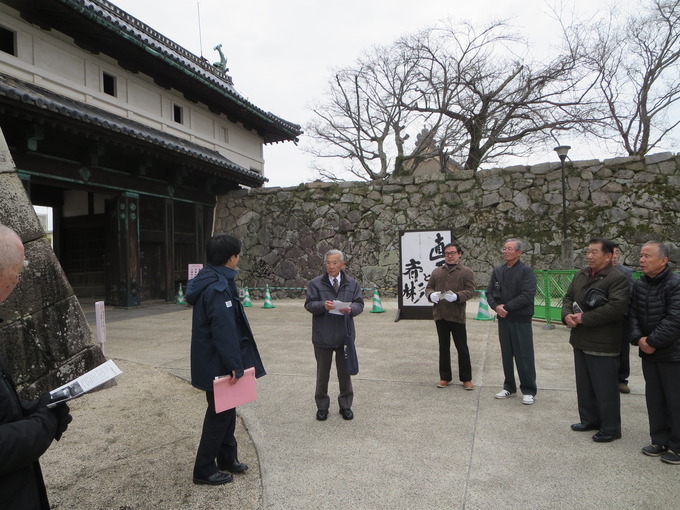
562 151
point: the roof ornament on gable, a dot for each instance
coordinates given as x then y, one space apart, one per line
222 64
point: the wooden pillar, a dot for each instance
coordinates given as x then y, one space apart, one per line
169 254
124 290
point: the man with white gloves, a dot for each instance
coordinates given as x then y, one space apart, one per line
449 287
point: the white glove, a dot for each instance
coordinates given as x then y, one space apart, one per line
451 296
435 297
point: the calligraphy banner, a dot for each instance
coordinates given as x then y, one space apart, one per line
420 252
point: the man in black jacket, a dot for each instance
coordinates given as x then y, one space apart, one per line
655 329
511 292
27 429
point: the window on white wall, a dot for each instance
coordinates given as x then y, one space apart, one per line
178 114
224 134
109 84
8 41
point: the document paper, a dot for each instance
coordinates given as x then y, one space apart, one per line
86 382
228 396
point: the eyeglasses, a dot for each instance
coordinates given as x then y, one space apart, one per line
450 253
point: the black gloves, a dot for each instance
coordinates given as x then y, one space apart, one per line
62 412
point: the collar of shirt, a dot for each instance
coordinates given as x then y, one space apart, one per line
331 278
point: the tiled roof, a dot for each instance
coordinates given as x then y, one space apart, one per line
103 27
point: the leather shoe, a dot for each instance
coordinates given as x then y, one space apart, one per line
602 437
233 467
347 414
467 385
214 479
322 414
584 427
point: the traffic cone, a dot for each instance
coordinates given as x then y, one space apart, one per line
377 305
246 299
267 299
179 299
483 313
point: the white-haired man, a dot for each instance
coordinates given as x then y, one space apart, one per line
655 328
27 429
330 330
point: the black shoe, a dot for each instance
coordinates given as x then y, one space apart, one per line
347 414
214 479
602 437
233 467
583 427
654 450
322 414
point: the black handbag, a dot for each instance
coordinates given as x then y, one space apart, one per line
595 298
350 349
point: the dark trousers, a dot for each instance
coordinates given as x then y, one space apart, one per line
662 392
517 347
324 359
446 330
624 359
217 440
597 391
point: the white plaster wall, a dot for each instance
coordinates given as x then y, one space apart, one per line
51 60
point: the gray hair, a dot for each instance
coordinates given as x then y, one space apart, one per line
334 252
518 243
662 249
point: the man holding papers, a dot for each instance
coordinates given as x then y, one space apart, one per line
27 429
222 344
333 299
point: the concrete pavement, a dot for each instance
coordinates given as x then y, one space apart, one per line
410 445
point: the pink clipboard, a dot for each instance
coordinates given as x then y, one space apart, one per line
228 396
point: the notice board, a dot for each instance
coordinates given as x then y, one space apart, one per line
420 252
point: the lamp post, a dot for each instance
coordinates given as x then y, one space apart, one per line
562 151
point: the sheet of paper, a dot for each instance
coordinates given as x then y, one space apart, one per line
339 305
86 382
228 396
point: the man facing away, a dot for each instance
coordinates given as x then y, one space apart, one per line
330 328
27 429
655 329
594 307
624 356
511 294
222 343
449 287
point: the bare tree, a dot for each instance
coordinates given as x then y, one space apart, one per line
475 90
637 74
363 122
496 101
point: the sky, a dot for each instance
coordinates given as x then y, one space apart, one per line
281 54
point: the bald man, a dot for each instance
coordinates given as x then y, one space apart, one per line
27 429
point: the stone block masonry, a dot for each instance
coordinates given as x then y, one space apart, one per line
286 231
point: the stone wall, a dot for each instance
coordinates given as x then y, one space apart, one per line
286 231
43 333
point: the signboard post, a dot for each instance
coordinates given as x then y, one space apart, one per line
420 252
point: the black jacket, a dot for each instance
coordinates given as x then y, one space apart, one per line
221 338
514 287
26 432
655 313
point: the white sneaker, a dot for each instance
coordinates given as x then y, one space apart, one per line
505 394
528 399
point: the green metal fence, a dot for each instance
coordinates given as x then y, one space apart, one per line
551 288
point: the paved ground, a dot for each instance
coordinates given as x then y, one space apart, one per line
410 445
